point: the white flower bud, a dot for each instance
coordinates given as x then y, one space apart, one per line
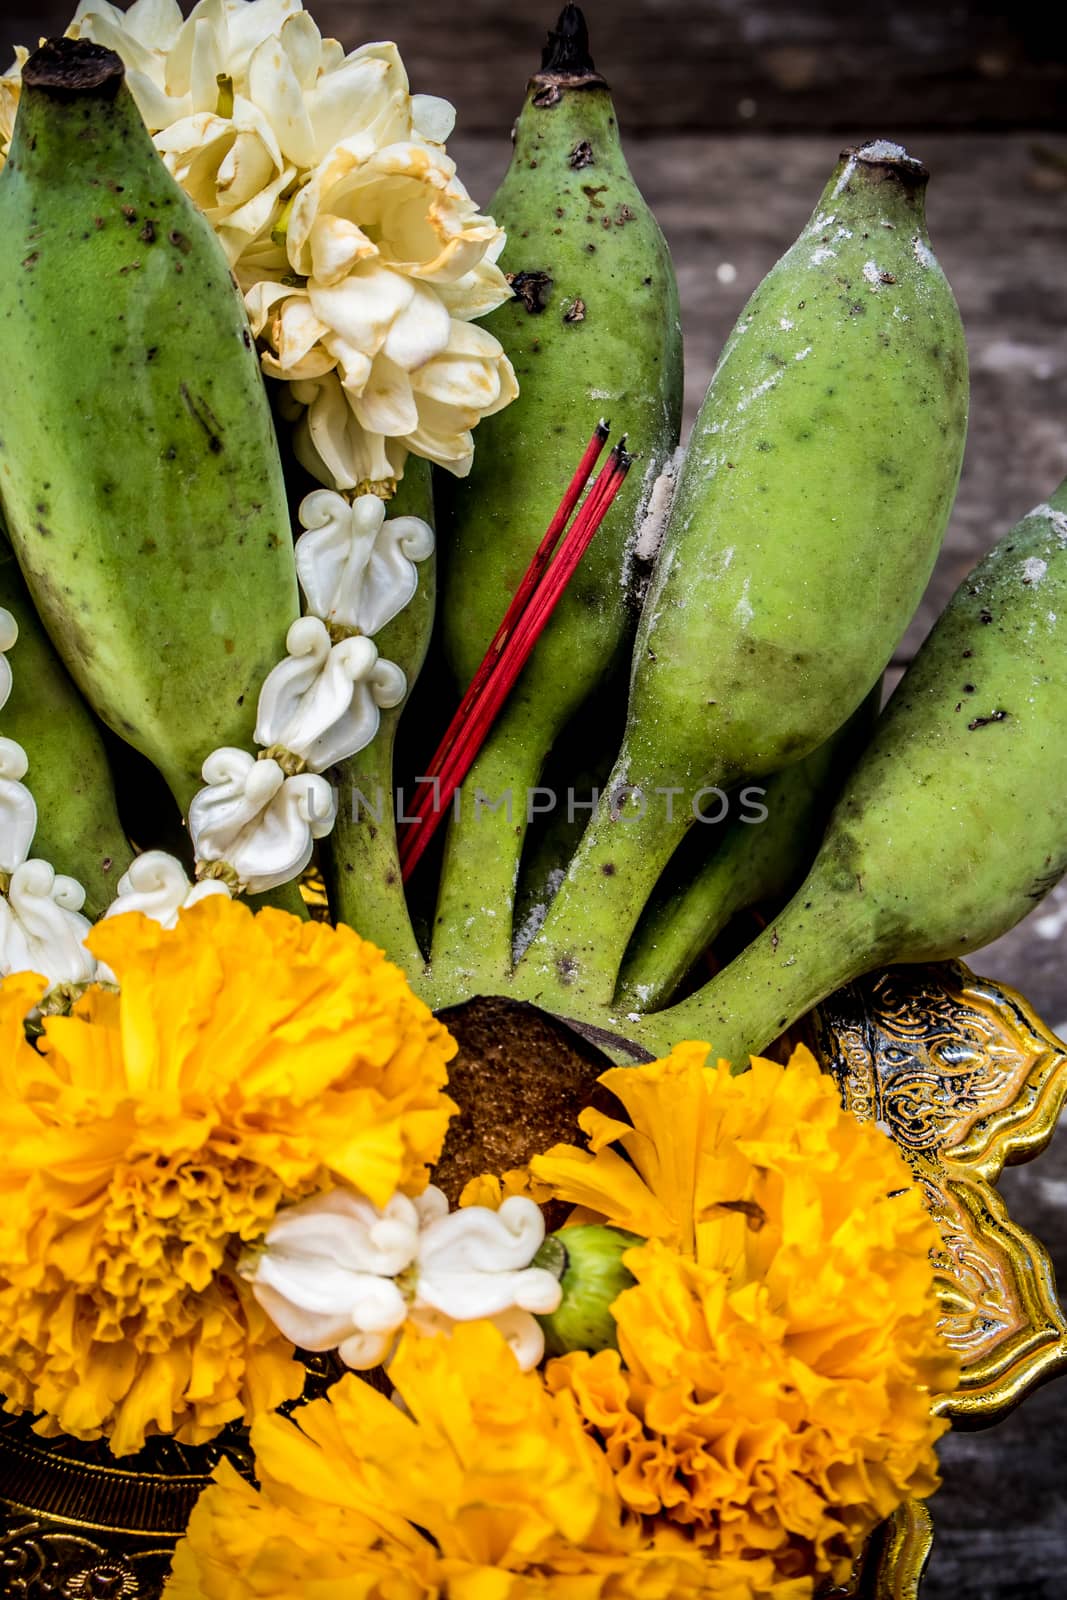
41 929
258 821
9 632
324 1273
18 809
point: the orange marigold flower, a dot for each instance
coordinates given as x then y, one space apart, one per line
779 1353
486 1487
246 1062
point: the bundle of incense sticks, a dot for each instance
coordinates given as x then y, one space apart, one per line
533 604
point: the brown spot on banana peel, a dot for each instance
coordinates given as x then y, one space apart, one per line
985 722
202 413
532 288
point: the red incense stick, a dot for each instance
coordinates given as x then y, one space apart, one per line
467 739
461 723
532 577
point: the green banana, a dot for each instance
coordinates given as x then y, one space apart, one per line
954 823
759 859
593 330
78 827
139 473
808 514
360 858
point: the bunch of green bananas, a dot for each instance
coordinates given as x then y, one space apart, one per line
812 503
146 504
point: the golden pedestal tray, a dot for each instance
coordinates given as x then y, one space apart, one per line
960 1071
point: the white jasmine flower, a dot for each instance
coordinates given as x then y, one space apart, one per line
42 929
9 632
256 821
361 440
156 884
231 167
329 442
323 703
325 1273
18 809
357 569
480 290
335 1272
41 926
421 218
360 253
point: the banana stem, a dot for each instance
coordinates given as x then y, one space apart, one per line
472 939
286 897
675 932
576 956
764 855
773 982
363 864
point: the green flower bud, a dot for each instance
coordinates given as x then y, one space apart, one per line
588 1262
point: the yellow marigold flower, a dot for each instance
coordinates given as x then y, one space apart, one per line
246 1062
779 1351
485 1488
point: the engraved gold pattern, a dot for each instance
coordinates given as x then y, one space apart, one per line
960 1071
966 1078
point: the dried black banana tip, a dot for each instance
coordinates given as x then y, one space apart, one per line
70 68
567 47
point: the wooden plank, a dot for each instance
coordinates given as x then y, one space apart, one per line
781 64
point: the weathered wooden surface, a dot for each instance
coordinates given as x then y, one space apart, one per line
722 64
